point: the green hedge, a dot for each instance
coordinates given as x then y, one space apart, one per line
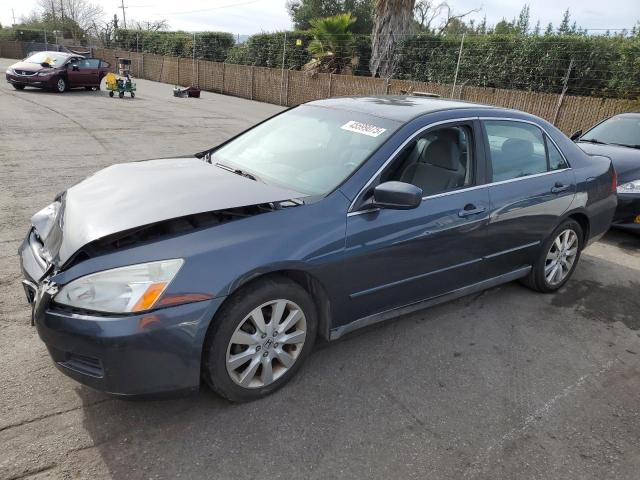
603 66
209 45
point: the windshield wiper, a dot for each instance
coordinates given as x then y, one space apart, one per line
238 171
593 140
625 145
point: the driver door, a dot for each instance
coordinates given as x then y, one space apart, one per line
399 257
75 75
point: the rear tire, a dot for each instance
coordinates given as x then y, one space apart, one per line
259 339
18 86
558 258
111 94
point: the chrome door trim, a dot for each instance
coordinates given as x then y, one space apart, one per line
351 213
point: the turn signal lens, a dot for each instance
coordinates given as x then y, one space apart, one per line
149 297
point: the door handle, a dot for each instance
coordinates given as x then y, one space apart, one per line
559 187
470 209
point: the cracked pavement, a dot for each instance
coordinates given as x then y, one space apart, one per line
500 385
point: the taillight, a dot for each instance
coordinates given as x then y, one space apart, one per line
614 181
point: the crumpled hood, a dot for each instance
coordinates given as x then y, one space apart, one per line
130 195
625 160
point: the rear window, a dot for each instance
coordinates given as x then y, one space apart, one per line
519 149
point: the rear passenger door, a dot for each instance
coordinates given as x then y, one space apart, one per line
91 71
532 186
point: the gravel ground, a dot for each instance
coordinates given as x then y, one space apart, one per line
504 384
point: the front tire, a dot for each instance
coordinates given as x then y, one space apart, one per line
61 85
259 339
558 258
18 86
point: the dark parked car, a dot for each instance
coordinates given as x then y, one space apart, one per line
57 71
334 215
618 138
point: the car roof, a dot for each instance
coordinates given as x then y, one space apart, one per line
401 108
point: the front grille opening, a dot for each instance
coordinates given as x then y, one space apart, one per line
82 364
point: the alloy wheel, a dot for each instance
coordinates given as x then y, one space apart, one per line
266 343
561 257
61 85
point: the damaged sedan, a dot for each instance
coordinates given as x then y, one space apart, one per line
225 267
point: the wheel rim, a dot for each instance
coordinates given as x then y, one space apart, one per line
561 257
61 85
266 343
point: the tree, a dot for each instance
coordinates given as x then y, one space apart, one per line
391 21
332 46
425 12
75 17
536 29
564 28
149 26
522 25
302 12
503 27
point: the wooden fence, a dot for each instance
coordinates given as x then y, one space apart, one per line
292 87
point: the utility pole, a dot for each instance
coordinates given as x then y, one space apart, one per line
455 77
124 16
13 14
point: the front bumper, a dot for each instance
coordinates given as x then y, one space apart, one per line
627 212
151 353
31 80
130 354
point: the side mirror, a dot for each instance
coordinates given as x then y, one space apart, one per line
75 68
576 135
397 196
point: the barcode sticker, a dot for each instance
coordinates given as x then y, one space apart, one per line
364 128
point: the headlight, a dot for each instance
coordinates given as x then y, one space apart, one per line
630 187
44 74
135 288
10 71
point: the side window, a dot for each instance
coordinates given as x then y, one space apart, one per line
556 160
437 161
516 149
92 62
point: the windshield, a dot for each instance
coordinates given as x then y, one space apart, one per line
308 149
619 130
52 58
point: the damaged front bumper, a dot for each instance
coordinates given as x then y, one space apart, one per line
127 354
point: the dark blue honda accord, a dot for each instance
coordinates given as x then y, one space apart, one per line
225 266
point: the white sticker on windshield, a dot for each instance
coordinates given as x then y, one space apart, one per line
364 128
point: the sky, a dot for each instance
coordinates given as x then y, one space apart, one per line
253 16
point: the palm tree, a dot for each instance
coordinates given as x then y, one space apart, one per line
391 21
332 47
